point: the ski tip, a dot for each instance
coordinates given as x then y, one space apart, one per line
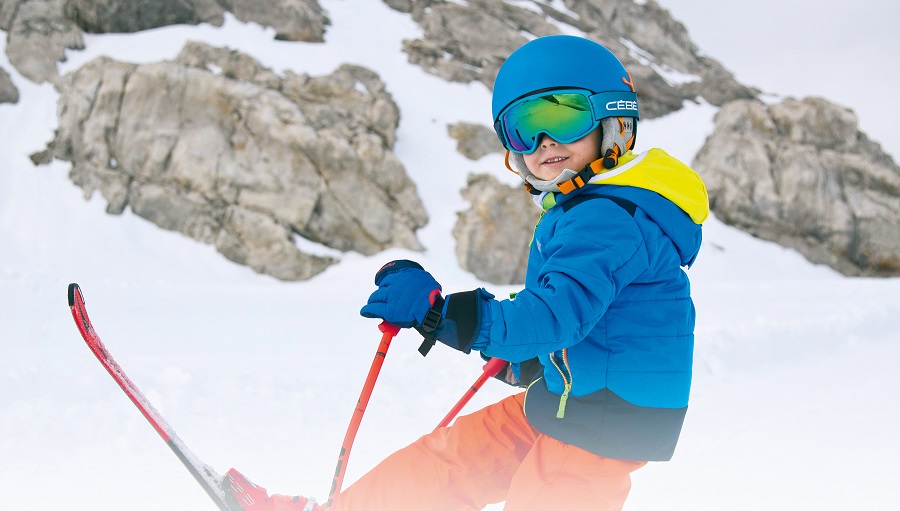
72 288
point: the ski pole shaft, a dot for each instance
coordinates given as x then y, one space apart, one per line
388 332
489 370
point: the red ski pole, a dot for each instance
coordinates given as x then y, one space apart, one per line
490 370
389 331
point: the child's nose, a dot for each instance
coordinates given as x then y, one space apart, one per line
545 140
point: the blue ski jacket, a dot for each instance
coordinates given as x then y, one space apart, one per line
606 307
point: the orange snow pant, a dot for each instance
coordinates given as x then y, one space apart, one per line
491 456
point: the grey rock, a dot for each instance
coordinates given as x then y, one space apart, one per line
466 43
39 31
241 158
38 34
112 16
492 236
801 174
474 140
8 91
293 20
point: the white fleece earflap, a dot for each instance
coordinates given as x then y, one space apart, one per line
618 138
540 184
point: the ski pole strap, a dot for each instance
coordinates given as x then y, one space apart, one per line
458 326
430 324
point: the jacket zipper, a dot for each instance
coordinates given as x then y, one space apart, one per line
567 382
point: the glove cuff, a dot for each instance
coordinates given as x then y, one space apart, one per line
455 321
464 309
462 319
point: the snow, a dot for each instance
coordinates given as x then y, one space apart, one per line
793 403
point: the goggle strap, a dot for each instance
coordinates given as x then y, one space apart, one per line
532 190
582 178
508 166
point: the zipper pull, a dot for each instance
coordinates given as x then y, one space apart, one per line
561 412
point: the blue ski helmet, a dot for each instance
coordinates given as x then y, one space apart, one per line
565 64
557 62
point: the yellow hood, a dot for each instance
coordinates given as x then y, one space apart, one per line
656 171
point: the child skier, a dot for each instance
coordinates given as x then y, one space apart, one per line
602 333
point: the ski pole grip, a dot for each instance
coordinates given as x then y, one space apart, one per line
493 367
389 328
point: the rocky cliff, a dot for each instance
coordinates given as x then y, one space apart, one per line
40 31
801 174
225 151
219 148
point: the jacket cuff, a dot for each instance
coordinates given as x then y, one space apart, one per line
463 320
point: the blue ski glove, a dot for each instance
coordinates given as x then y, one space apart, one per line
405 294
409 297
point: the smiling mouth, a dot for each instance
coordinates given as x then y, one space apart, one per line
555 160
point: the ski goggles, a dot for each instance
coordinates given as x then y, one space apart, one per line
566 115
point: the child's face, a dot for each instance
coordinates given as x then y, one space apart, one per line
551 157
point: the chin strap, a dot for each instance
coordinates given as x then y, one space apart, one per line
584 176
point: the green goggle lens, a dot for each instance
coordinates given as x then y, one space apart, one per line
565 117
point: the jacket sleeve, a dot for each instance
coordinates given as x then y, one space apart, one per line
596 250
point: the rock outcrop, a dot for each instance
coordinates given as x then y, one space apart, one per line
492 236
37 36
8 91
220 148
293 20
801 174
467 43
474 140
225 151
39 31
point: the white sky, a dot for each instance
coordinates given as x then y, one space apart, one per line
843 51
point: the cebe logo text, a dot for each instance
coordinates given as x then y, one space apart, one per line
622 104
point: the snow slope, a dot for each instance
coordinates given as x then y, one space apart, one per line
795 372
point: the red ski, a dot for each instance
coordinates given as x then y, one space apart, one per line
208 478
